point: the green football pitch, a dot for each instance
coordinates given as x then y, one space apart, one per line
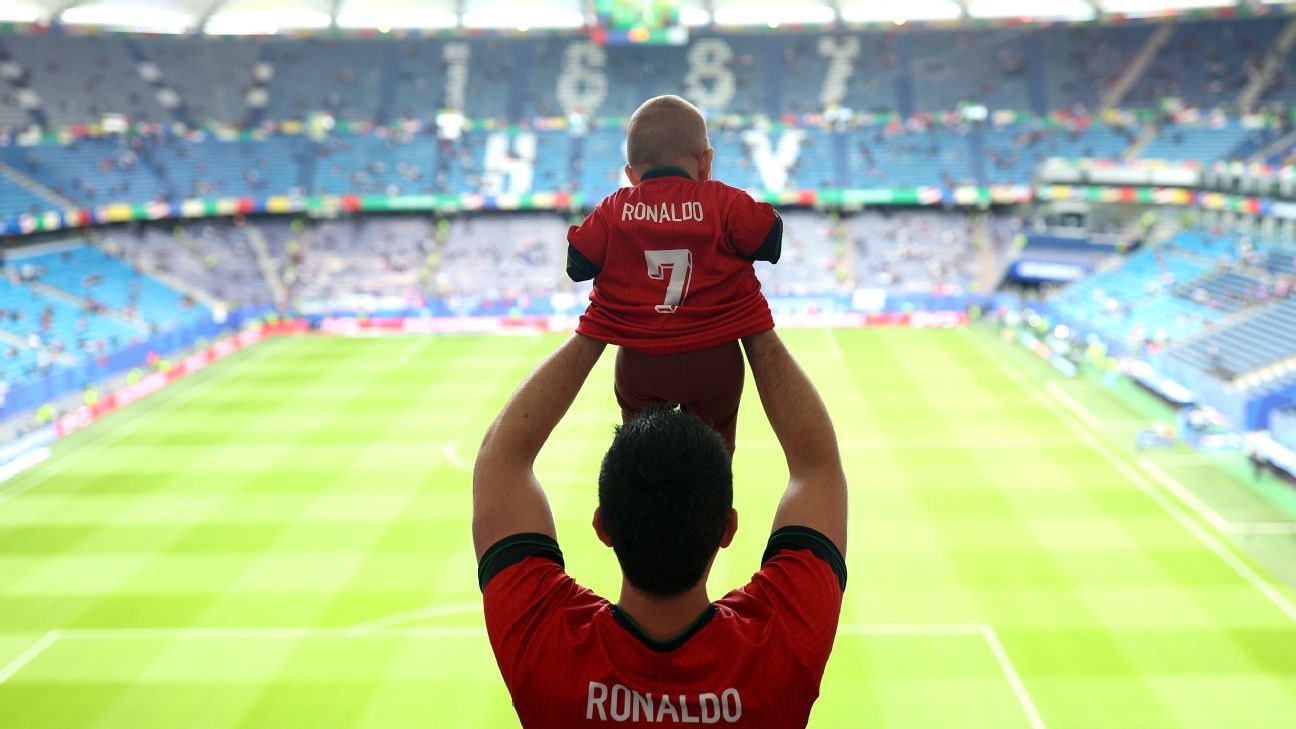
282 540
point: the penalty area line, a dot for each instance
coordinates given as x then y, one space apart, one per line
380 629
1175 486
1137 478
1013 677
413 350
833 346
424 613
27 656
985 631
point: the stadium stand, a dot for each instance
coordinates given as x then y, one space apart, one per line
1225 291
144 170
104 282
210 74
812 256
1129 305
1084 63
1246 346
1013 152
210 167
389 165
951 68
214 257
498 257
81 78
909 159
927 252
1214 313
420 79
91 171
1205 64
17 200
54 324
598 167
1195 143
377 257
1024 68
347 85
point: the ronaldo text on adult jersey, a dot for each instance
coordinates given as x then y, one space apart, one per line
754 658
671 260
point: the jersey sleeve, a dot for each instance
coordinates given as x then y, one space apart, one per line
523 584
587 245
802 579
753 229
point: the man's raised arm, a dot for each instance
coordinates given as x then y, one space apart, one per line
507 498
816 493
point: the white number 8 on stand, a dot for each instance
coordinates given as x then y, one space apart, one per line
675 266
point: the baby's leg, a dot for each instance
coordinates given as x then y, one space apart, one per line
719 386
634 382
707 383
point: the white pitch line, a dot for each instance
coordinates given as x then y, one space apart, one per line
28 656
1262 528
141 415
1180 492
280 633
1014 678
1214 518
833 346
373 630
1176 487
1208 540
451 452
425 613
411 351
1073 406
936 629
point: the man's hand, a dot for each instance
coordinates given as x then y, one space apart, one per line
507 498
816 492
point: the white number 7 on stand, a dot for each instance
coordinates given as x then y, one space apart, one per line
676 267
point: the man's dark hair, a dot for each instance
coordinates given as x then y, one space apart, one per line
665 491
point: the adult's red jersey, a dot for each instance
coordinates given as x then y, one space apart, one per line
671 260
753 659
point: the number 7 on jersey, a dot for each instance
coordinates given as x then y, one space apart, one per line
675 266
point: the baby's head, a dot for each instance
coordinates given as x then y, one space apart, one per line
667 131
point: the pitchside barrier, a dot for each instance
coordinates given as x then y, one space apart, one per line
32 447
357 326
34 392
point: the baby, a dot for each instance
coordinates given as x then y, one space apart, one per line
671 259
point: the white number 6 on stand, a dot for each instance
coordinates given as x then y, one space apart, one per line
676 267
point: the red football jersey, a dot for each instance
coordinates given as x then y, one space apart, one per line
753 659
671 260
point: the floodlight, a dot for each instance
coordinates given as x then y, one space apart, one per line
523 15
130 17
1158 7
773 13
253 22
20 12
871 11
408 16
1051 10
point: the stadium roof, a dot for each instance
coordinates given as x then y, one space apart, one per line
272 16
